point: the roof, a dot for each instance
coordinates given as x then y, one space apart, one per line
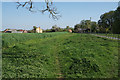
38 28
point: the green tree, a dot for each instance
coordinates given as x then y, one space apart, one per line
106 21
116 24
48 30
34 29
77 27
55 28
67 27
110 22
83 24
88 24
94 26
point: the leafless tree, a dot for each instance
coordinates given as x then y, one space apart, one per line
49 8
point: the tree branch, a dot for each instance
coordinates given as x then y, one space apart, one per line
49 7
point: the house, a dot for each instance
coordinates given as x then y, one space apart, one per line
19 32
69 30
5 30
10 31
25 31
38 30
22 31
15 31
80 30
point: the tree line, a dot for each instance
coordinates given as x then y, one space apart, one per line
54 28
109 23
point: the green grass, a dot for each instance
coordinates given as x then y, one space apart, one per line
58 55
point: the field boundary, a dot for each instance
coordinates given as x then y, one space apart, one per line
113 38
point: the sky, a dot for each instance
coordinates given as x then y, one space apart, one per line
72 13
65 0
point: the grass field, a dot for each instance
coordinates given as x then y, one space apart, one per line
58 55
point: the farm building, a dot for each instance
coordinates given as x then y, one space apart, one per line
15 31
38 30
69 30
10 31
25 31
80 30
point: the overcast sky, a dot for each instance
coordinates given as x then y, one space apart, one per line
72 13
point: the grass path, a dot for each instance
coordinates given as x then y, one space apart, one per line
56 49
106 37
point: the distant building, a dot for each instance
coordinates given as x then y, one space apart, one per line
80 30
38 30
10 31
25 31
19 32
15 31
6 30
69 30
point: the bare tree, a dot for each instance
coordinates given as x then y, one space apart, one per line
49 7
